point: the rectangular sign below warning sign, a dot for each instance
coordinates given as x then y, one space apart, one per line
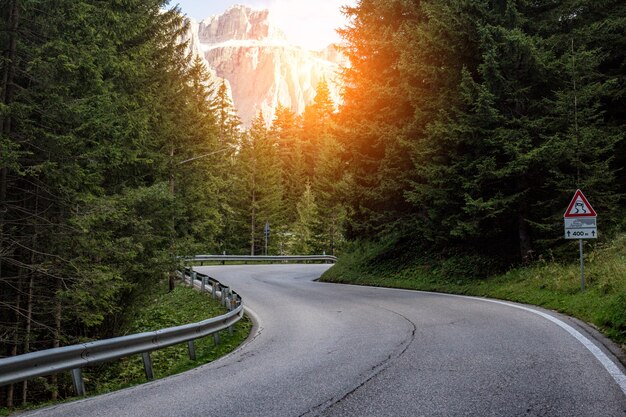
581 228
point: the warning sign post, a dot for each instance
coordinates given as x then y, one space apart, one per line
580 223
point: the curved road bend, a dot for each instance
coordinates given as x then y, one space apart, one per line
338 350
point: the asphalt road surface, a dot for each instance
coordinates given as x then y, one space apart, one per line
339 350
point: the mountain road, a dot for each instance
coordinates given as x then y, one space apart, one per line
340 350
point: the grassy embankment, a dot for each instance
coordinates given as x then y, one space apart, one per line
549 284
159 310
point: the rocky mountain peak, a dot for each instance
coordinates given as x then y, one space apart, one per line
262 68
238 23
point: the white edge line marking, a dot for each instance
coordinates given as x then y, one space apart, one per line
608 364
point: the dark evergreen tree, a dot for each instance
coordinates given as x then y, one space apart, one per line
229 132
329 188
258 192
304 231
317 124
286 131
102 116
228 122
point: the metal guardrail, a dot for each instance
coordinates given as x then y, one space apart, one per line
263 258
46 362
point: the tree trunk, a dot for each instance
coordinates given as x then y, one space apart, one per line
333 230
11 388
16 339
29 306
172 273
28 328
253 222
54 381
525 243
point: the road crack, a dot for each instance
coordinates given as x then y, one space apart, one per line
375 370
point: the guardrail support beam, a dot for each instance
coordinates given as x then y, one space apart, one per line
147 365
191 347
79 384
232 302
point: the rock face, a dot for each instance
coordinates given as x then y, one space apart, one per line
238 23
262 68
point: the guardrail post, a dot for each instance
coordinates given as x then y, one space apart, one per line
203 289
192 277
216 338
214 290
224 295
147 365
231 306
229 296
77 380
192 350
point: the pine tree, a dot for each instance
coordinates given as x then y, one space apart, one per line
228 122
287 134
258 192
317 124
229 134
329 188
304 239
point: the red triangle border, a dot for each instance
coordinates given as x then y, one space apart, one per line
580 194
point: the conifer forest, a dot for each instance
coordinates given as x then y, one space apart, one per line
464 130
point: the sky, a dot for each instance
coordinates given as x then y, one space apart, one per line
310 23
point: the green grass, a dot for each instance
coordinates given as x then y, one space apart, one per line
182 306
549 284
156 311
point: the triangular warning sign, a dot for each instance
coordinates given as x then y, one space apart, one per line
579 207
